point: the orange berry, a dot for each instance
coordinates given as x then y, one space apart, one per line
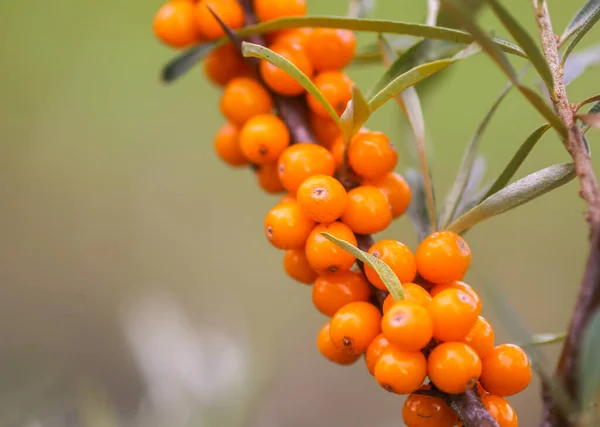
337 151
397 256
268 178
267 10
263 138
174 24
443 257
407 325
332 291
323 255
336 87
297 267
481 337
396 189
500 410
458 285
287 198
227 146
330 48
480 390
244 98
425 411
371 155
416 293
287 227
224 64
374 351
354 326
301 161
295 38
279 80
454 313
331 352
400 372
229 11
506 370
322 198
453 367
325 129
368 210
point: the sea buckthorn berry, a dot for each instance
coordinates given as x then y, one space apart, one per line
368 210
330 48
332 291
297 267
458 285
301 161
263 138
500 410
396 189
336 87
374 351
400 372
453 367
506 370
244 98
322 198
224 64
354 326
480 390
279 80
454 313
337 151
371 155
407 326
331 352
287 227
174 24
397 256
481 337
295 38
229 11
443 257
267 10
426 411
323 255
268 178
227 146
325 129
287 198
412 292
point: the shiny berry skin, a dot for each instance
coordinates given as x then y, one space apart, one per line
227 146
331 352
375 349
371 155
323 255
506 370
368 210
458 285
425 411
337 148
297 267
244 98
412 292
407 326
400 372
396 189
268 179
453 367
268 10
322 198
229 11
443 257
481 337
332 291
325 129
295 38
287 227
263 138
500 410
397 256
354 326
336 87
224 64
301 161
280 81
330 48
174 24
454 313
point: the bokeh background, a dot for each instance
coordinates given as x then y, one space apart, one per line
137 287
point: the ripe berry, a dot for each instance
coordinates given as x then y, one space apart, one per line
481 337
453 367
443 257
267 10
244 98
332 291
323 255
371 155
457 285
279 80
297 267
354 326
287 198
506 370
337 151
287 227
227 146
454 314
407 326
374 351
336 87
174 24
330 49
229 11
263 138
396 189
500 410
412 292
301 161
268 178
322 198
400 372
425 411
368 210
331 352
224 64
295 38
325 129
397 256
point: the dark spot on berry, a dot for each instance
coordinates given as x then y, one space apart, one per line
262 150
462 246
420 415
281 168
332 268
269 231
376 254
319 192
399 318
388 387
472 382
347 342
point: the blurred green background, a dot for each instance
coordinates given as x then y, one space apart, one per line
136 279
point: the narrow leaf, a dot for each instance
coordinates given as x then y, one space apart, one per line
581 24
433 9
355 115
473 188
383 270
579 62
589 100
518 193
595 109
181 64
545 339
360 8
544 109
417 210
589 362
592 120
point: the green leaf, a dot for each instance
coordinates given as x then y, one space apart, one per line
181 64
385 273
589 362
518 193
595 109
251 50
588 13
579 62
517 160
475 6
592 120
360 8
470 197
355 115
545 339
582 31
417 210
